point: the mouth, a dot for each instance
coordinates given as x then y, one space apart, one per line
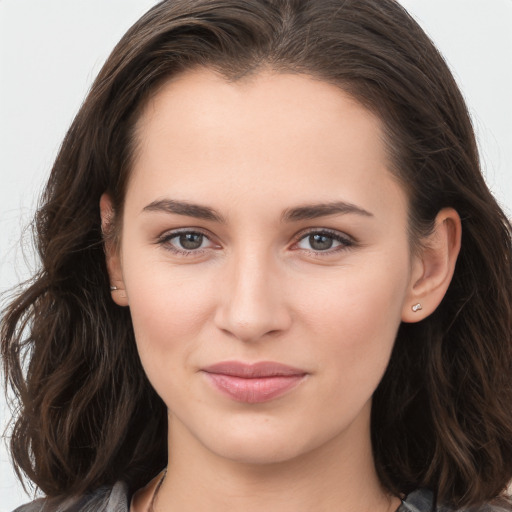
253 383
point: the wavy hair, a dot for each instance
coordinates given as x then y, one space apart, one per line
442 414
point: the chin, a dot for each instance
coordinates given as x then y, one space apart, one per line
261 446
258 453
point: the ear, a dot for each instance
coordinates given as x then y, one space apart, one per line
433 267
112 256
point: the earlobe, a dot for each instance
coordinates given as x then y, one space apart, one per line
112 257
433 267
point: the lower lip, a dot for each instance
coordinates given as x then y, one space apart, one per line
253 390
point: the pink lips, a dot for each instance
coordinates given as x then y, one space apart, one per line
253 383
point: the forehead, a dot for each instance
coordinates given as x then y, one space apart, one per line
200 132
260 98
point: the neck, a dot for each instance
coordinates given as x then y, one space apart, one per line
337 476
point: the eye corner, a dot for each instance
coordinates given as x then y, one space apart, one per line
346 241
164 241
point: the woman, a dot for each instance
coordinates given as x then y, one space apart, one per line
272 275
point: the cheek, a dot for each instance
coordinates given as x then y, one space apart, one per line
169 308
167 320
355 318
176 307
347 317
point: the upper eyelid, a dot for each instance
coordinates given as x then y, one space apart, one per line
173 232
328 231
299 236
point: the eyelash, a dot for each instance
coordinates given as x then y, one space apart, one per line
345 241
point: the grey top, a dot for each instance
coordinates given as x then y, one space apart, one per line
105 499
117 499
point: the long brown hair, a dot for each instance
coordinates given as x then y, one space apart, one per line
442 415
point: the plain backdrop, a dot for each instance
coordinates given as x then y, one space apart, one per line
50 51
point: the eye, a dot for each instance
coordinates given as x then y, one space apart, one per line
323 240
191 243
185 243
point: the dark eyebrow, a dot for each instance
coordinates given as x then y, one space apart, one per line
185 208
313 211
295 214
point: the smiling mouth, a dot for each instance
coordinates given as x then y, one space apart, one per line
253 383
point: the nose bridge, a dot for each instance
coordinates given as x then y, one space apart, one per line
252 301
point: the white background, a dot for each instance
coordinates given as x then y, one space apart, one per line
51 50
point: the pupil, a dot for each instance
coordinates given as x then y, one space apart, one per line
187 240
327 244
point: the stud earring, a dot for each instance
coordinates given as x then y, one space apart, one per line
416 307
113 288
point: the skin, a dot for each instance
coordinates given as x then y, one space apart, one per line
258 289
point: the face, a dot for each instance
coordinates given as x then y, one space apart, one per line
264 321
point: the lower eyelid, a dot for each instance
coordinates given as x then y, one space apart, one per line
344 240
165 240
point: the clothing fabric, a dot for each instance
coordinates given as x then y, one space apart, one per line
143 498
117 499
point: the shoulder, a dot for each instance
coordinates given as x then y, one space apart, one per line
104 499
486 507
422 500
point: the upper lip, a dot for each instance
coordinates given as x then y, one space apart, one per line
253 370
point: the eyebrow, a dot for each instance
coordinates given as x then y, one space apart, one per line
304 212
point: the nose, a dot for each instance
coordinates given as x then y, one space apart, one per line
252 301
